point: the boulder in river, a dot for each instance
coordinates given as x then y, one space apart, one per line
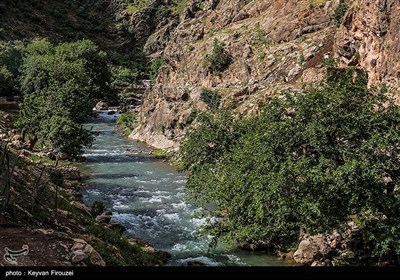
112 112
101 105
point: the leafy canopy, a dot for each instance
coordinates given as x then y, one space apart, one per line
312 160
10 61
59 85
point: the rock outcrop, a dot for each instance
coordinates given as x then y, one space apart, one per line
275 45
272 43
322 249
314 248
84 254
369 38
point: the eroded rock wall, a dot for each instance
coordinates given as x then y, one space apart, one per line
370 38
274 44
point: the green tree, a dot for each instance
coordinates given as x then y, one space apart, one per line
219 59
10 61
59 85
6 82
313 160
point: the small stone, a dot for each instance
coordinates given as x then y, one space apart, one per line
148 249
103 219
80 206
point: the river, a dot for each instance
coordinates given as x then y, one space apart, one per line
146 195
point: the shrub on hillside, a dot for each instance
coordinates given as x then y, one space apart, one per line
219 59
211 98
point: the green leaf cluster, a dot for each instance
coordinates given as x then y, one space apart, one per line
10 61
127 122
219 59
155 66
60 84
211 98
340 11
311 160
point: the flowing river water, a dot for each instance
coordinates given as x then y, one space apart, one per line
146 195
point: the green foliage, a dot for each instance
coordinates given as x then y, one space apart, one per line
219 60
131 9
6 82
123 77
259 36
311 160
136 5
207 144
123 81
329 62
60 84
155 66
211 98
161 153
357 57
180 6
10 61
127 121
47 161
64 134
340 12
160 128
97 208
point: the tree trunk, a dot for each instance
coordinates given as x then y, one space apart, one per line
32 142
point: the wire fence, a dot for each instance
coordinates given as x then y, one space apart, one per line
10 184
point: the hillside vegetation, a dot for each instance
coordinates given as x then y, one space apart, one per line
309 163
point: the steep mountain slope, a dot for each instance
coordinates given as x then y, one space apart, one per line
59 20
274 45
369 38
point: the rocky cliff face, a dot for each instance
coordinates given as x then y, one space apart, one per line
274 45
369 38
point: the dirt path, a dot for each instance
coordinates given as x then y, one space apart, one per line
44 249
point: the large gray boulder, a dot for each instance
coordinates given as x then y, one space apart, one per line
313 248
